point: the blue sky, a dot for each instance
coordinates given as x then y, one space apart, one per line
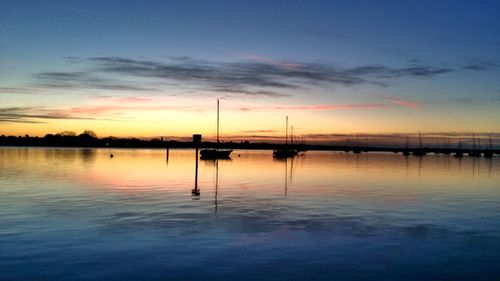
346 66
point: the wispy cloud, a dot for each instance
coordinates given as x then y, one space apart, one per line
481 65
35 115
389 102
123 99
401 102
18 90
106 109
323 107
250 93
85 80
268 60
320 107
262 72
256 76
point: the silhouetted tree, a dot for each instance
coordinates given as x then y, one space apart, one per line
90 133
67 134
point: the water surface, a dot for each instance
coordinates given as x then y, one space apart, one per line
77 214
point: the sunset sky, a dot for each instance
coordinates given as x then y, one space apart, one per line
152 68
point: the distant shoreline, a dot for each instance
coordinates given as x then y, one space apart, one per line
78 142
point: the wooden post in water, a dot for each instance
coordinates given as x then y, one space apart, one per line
168 152
196 142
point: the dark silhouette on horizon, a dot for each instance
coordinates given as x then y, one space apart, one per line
89 139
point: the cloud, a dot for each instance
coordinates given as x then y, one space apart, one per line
263 59
259 71
419 71
33 114
481 65
85 80
202 73
109 107
232 91
390 102
17 90
255 76
401 102
323 107
118 108
122 99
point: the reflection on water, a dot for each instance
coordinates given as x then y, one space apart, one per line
79 214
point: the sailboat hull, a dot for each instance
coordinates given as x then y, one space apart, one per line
284 153
215 153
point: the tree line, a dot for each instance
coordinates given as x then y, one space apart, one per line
89 138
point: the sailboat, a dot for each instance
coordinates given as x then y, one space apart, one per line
459 153
420 151
475 148
285 152
406 151
212 154
489 153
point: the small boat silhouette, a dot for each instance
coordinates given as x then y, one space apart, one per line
285 152
459 153
489 153
406 150
420 151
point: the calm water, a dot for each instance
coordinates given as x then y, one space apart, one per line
76 214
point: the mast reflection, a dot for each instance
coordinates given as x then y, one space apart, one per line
216 184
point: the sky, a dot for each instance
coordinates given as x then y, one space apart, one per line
156 68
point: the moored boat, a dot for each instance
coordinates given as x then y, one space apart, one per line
216 153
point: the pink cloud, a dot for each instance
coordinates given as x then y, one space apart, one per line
320 107
332 106
100 109
128 99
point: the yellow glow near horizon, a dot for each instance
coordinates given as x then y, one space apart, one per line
157 117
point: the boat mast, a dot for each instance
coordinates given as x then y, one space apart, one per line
473 142
286 131
420 140
217 121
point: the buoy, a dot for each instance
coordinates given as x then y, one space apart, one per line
111 155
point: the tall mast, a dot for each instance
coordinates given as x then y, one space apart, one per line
217 121
473 142
286 131
420 140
